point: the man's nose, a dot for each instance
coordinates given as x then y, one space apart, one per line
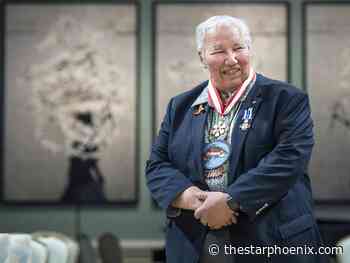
231 58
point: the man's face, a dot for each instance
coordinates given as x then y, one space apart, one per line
227 58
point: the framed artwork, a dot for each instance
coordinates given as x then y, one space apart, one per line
327 78
177 66
69 103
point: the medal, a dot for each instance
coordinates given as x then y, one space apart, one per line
247 117
245 125
215 154
215 100
248 113
218 130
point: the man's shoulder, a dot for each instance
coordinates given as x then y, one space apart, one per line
189 96
272 88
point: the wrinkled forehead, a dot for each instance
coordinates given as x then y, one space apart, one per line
218 34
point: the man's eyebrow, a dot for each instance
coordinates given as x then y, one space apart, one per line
216 46
238 44
219 46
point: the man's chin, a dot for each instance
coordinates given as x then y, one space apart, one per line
232 84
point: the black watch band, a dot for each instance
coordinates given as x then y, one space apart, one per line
234 206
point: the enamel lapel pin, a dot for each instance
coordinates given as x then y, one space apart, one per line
200 109
247 118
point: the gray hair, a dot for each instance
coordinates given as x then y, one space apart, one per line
213 22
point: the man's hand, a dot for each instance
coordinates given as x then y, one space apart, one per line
214 211
190 199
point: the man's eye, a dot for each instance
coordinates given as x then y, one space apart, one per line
217 52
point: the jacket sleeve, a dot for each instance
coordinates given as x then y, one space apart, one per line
279 170
163 179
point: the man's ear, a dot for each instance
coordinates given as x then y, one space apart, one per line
251 54
201 57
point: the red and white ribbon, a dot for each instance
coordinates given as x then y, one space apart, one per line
215 101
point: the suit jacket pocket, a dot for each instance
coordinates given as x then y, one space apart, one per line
298 227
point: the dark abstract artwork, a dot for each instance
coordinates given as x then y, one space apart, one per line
328 85
70 104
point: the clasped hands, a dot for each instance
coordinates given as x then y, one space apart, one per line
209 207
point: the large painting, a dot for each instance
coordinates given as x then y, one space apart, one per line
70 103
328 84
178 67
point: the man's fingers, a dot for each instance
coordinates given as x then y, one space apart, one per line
198 212
202 195
196 204
234 219
219 226
229 222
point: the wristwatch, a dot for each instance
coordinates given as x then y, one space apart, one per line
234 206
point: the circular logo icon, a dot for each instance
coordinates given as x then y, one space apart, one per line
215 154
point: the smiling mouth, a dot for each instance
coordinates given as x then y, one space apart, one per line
230 72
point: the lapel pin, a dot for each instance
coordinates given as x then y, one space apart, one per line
247 117
248 114
245 125
199 110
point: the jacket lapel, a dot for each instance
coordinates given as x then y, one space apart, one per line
198 126
239 133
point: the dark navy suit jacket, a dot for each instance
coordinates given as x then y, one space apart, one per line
267 173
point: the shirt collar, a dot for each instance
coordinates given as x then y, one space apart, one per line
203 97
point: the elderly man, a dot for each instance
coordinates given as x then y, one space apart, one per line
230 162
